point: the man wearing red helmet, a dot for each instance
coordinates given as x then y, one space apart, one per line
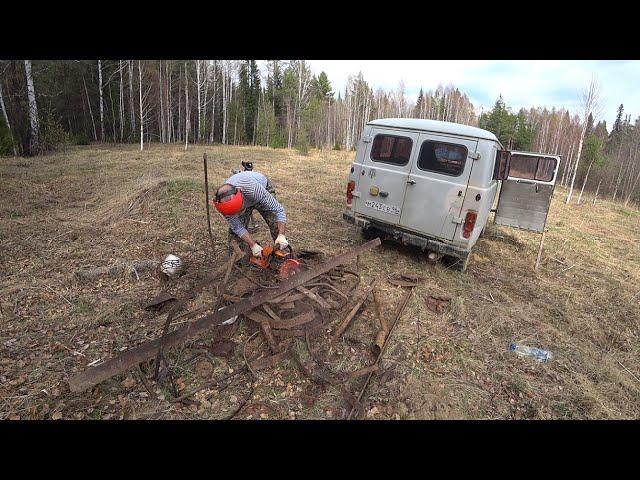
238 197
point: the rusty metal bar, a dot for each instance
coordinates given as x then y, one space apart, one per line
384 326
94 375
403 304
345 323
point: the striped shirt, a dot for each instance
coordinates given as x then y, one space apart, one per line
254 192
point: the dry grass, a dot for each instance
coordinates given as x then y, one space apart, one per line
93 206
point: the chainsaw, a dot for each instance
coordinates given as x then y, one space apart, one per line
278 260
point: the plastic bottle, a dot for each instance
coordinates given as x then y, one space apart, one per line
536 353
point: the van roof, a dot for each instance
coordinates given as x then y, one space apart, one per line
435 126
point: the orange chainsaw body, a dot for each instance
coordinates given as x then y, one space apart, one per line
277 260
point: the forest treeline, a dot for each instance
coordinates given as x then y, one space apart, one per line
49 103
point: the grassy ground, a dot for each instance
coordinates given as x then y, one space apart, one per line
93 206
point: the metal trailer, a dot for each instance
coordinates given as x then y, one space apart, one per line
432 184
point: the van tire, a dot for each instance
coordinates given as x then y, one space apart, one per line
456 263
369 232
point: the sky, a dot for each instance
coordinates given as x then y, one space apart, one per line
522 83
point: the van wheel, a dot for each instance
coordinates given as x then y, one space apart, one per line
456 263
369 233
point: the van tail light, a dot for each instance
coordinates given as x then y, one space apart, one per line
350 188
469 223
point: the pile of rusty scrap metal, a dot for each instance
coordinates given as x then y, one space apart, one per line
288 315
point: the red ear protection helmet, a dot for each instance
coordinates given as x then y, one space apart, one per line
229 203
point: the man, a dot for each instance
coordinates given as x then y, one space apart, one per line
238 197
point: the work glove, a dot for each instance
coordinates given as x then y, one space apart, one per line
281 242
256 250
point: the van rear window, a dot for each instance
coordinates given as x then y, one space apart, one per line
391 149
444 158
532 168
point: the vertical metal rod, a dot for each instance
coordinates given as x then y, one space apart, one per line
540 250
206 191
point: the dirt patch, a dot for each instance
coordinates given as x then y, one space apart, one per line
93 207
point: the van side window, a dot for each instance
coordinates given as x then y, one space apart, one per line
546 167
532 168
391 149
502 164
444 158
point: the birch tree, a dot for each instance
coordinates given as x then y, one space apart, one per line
141 112
132 110
6 119
161 109
121 101
101 100
593 149
34 127
213 102
93 123
186 108
590 100
198 87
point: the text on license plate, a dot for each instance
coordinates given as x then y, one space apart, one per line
382 207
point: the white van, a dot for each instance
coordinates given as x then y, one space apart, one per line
432 184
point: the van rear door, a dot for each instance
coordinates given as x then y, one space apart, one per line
437 184
525 195
383 177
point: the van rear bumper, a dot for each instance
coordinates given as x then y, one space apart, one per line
408 238
357 221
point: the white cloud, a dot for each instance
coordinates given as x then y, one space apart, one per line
523 83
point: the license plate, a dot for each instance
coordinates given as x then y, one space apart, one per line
382 207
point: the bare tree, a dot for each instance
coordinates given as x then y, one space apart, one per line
34 127
6 119
161 110
121 101
586 177
93 123
225 100
597 190
101 101
590 98
131 109
186 108
198 85
213 108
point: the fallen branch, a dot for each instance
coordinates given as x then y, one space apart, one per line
270 361
629 372
211 384
362 372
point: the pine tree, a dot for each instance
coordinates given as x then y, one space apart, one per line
617 125
501 123
418 108
321 86
589 124
525 132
